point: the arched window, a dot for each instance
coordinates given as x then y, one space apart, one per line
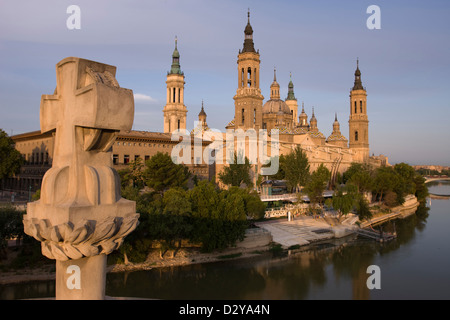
249 77
174 95
242 78
178 124
243 118
356 135
360 106
355 106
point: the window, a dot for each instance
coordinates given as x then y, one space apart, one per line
242 78
249 77
356 135
355 106
136 157
126 159
173 95
147 158
360 106
178 124
115 159
254 115
243 116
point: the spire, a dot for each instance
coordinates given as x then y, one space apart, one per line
313 122
274 87
175 68
202 112
303 118
248 31
358 84
290 95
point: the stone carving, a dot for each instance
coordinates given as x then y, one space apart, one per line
81 214
85 239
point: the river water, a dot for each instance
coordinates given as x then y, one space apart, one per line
414 266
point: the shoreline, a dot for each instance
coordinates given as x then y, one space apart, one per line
191 256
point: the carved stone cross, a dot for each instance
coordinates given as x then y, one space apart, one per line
81 216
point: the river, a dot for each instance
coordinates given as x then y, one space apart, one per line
414 266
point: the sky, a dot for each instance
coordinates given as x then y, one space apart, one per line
404 64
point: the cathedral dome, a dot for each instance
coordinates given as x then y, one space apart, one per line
276 106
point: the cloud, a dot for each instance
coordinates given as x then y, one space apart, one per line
139 97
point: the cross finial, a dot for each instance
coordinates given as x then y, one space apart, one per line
274 73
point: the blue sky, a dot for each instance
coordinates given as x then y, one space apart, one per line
405 64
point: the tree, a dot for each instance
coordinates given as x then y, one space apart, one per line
236 174
133 175
162 173
254 208
280 175
10 159
362 180
176 214
317 184
421 188
296 169
343 203
362 209
219 218
385 180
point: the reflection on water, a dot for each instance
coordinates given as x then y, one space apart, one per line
414 266
334 270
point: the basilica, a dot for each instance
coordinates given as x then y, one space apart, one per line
336 151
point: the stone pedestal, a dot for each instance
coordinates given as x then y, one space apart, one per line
81 216
82 279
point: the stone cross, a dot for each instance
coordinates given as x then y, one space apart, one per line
81 216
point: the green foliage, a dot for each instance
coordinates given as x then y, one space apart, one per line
36 196
11 225
237 173
162 173
343 203
296 169
280 175
10 159
389 185
317 184
219 218
133 175
421 188
386 180
362 209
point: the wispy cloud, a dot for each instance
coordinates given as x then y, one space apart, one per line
144 98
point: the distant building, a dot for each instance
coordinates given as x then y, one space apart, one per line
336 152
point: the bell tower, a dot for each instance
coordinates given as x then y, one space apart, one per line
175 111
248 99
358 122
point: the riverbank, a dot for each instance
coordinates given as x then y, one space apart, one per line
185 256
300 231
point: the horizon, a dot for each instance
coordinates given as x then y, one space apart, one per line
404 64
